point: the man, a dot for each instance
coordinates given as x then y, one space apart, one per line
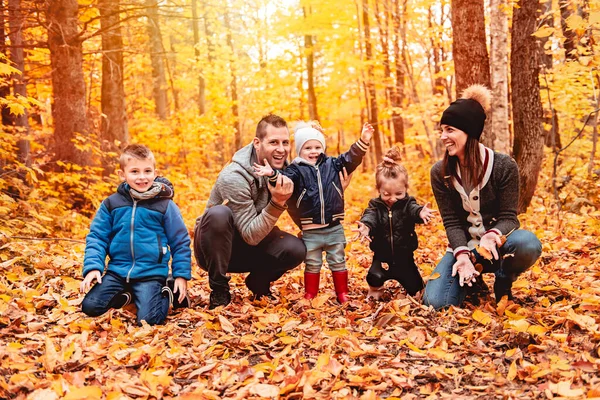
237 232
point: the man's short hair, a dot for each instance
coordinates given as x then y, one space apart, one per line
271 119
138 151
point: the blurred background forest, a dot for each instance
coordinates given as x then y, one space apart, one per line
191 78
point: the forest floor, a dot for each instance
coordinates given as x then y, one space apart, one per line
544 345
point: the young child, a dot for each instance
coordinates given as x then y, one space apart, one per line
139 228
317 203
389 225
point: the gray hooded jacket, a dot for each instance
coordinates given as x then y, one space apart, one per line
247 196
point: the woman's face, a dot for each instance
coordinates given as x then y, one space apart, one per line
455 140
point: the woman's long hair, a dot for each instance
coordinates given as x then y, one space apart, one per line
472 172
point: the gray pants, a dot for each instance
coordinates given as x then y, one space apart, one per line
330 240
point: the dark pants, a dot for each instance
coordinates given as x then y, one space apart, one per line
147 295
403 269
220 249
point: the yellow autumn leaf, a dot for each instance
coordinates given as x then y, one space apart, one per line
225 324
512 371
481 317
86 392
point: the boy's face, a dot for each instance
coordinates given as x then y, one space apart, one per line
139 174
392 190
274 147
311 151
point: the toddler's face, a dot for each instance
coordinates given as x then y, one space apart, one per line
139 174
392 190
311 151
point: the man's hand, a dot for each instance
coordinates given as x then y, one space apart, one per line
89 279
362 232
181 288
491 241
345 178
263 170
426 213
367 133
282 191
465 269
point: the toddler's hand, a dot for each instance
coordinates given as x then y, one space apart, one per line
426 213
362 232
263 170
367 132
89 278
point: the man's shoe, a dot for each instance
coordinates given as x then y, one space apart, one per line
260 296
219 298
185 303
120 300
477 292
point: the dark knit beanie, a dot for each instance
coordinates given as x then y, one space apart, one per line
467 115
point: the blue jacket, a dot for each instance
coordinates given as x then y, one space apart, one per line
318 196
139 236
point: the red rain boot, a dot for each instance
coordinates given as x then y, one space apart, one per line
340 282
311 284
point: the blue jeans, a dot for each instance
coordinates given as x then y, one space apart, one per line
151 305
446 291
330 240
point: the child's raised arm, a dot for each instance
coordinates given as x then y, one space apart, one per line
367 133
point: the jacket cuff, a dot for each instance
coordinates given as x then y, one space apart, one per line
496 231
362 145
274 209
460 250
273 178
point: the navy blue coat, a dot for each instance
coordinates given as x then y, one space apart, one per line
318 196
139 236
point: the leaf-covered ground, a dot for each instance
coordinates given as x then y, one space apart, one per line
546 345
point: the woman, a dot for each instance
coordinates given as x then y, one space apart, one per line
477 192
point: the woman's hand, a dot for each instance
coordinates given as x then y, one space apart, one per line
465 270
491 242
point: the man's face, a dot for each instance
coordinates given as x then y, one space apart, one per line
274 147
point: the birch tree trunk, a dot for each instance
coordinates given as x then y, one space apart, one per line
527 106
499 76
309 49
372 93
68 84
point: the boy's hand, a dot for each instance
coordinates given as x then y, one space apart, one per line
282 191
181 288
426 213
362 232
263 170
89 278
367 133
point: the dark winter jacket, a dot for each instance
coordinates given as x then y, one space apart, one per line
392 230
139 236
318 196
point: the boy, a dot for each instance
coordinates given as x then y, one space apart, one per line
139 228
317 204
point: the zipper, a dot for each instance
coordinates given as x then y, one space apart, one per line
300 198
391 232
338 190
131 239
321 195
160 250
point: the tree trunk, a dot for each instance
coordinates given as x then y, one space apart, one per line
437 85
372 93
471 61
548 20
527 106
310 72
113 131
68 85
399 22
4 86
159 81
499 76
201 83
234 94
383 26
15 26
570 36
